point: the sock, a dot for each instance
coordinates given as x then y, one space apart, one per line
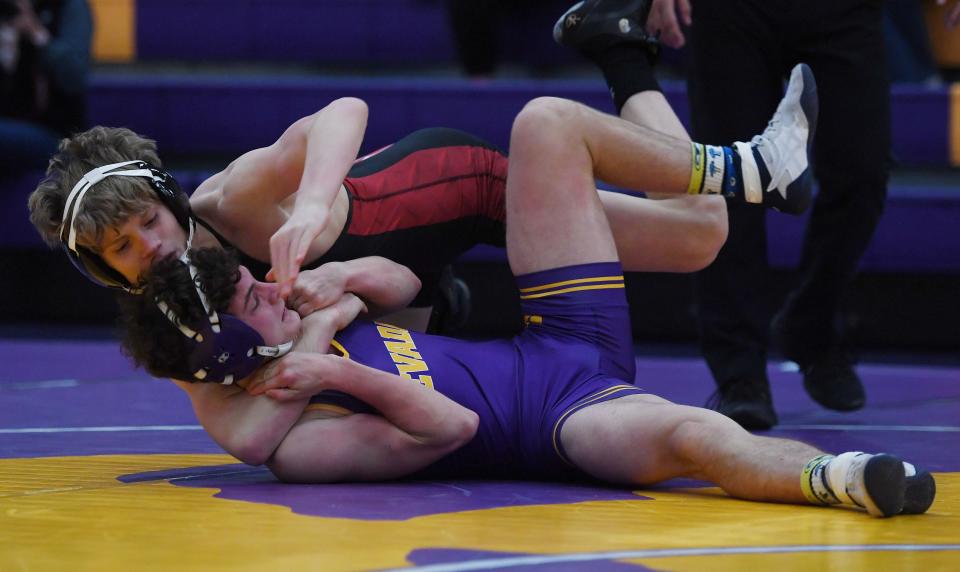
712 167
814 482
626 68
737 172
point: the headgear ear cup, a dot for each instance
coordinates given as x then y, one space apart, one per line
96 270
171 195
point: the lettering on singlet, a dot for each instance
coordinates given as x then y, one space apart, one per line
403 352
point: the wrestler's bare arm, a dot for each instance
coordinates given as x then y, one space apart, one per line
247 427
418 425
299 174
384 285
309 162
312 156
251 427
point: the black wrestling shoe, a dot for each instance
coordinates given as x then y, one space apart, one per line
831 381
747 402
919 493
828 376
878 483
592 26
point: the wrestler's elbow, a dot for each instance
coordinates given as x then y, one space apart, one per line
352 107
252 449
461 429
409 286
469 426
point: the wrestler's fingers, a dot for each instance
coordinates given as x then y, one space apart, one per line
283 394
257 386
305 309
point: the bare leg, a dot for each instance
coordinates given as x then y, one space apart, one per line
651 109
557 148
645 439
680 234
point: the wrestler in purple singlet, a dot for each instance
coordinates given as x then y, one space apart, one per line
575 351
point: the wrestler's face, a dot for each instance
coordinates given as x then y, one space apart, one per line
259 305
142 239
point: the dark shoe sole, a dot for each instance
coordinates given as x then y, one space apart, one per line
886 484
799 200
830 401
636 11
920 492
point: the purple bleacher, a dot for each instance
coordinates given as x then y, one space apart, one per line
914 235
332 32
15 228
343 31
203 114
228 115
921 126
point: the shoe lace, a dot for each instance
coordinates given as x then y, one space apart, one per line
769 135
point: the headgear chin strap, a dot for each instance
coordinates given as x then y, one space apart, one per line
226 348
86 261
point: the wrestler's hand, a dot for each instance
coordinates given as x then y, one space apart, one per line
318 288
952 13
665 18
319 328
297 375
289 245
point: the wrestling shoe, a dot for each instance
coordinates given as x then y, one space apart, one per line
828 374
877 483
595 25
832 382
747 402
920 490
776 163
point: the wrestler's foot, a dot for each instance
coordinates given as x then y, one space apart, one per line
593 26
875 482
881 484
920 490
776 163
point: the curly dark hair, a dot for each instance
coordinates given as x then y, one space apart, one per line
148 336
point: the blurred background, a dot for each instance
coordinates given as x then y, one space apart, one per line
211 79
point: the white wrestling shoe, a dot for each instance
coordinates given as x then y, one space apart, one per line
782 180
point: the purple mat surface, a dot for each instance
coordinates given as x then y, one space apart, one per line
85 398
